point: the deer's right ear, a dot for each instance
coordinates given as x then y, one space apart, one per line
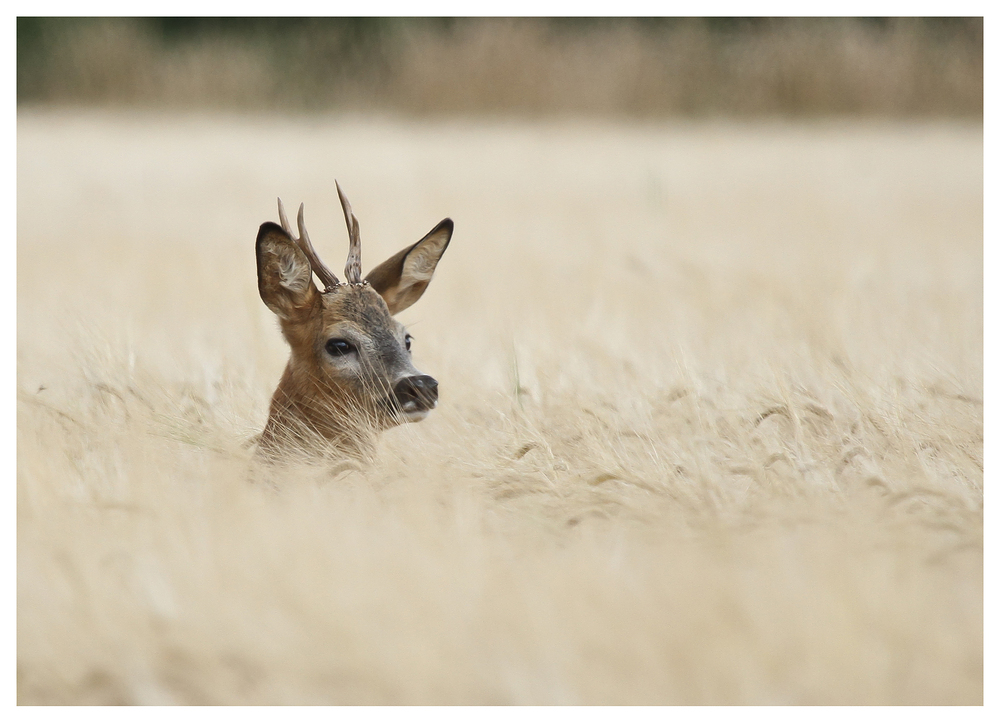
284 275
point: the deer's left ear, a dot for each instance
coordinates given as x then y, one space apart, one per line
401 279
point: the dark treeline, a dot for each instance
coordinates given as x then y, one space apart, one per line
650 67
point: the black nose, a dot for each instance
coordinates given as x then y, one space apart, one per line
416 393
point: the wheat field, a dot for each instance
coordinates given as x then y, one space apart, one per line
710 432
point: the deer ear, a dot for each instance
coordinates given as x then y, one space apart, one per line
401 279
284 276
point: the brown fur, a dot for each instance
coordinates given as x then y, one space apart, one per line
327 403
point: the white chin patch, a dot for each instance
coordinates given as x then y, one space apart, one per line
411 412
415 416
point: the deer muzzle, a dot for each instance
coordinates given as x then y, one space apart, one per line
415 396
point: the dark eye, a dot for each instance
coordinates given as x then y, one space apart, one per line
339 347
409 340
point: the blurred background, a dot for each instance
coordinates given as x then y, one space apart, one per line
597 67
709 338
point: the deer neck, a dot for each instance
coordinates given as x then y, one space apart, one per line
308 417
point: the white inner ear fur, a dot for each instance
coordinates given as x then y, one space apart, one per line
292 273
419 266
421 262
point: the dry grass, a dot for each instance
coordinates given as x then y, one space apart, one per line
711 426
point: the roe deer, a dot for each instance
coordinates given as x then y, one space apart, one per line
350 374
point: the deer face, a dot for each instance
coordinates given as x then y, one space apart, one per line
350 362
364 356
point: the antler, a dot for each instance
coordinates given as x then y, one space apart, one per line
328 278
353 268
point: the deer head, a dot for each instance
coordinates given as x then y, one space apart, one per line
350 373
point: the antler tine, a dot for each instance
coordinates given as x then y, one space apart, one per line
353 268
328 278
284 219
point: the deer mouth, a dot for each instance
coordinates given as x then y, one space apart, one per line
414 415
407 411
